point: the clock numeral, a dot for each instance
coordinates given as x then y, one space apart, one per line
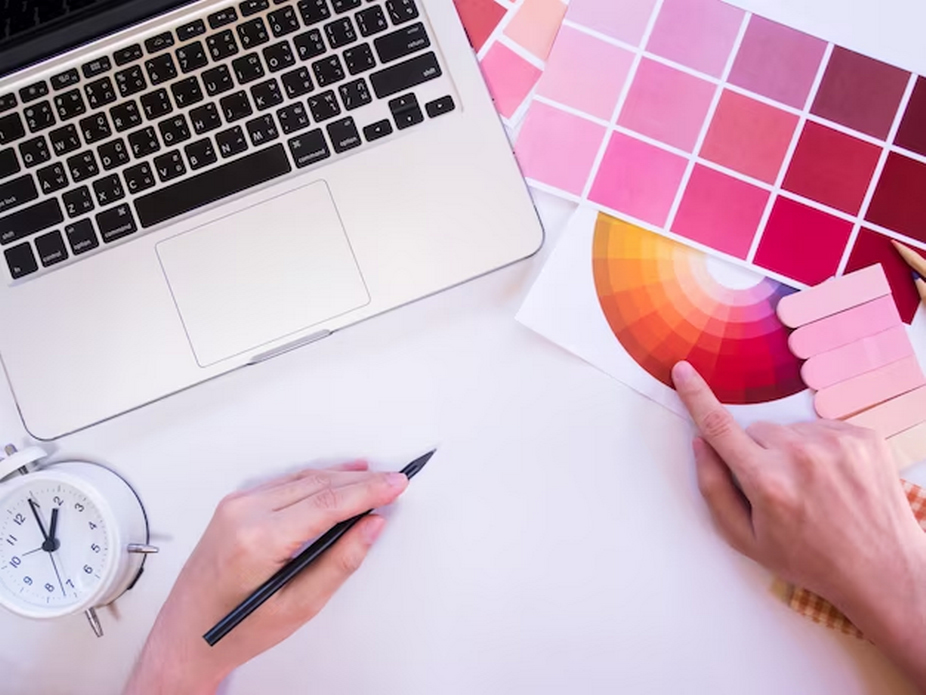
11 539
95 548
92 526
78 506
70 583
58 501
88 569
27 581
49 588
15 561
19 519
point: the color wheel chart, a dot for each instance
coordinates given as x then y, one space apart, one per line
664 305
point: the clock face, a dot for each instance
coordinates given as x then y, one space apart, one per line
53 547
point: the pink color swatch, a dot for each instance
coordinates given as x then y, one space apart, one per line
510 78
667 105
620 19
720 212
909 447
896 416
833 297
866 390
854 359
571 79
535 25
638 179
848 327
567 165
696 33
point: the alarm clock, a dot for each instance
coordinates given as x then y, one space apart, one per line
73 536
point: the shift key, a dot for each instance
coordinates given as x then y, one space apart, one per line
17 192
30 220
405 75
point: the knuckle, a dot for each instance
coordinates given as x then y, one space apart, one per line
716 423
776 493
350 560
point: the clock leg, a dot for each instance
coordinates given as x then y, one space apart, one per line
94 621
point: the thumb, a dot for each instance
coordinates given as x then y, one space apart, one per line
729 508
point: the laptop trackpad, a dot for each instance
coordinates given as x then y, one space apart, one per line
263 273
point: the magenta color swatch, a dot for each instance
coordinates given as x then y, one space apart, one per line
696 33
720 212
620 19
510 78
777 62
870 248
802 243
567 165
667 105
899 202
585 73
638 179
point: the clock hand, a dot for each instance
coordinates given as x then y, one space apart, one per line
35 512
57 574
51 543
31 552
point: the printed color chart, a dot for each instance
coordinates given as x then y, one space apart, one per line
734 134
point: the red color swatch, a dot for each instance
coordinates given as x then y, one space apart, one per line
912 133
860 92
802 243
832 168
900 199
871 248
479 17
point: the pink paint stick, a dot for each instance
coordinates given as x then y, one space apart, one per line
833 296
909 447
867 390
895 416
849 361
842 329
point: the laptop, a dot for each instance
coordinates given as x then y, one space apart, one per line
187 188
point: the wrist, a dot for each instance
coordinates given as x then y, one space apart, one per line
166 667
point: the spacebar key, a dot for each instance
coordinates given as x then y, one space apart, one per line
212 185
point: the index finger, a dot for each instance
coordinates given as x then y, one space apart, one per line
738 450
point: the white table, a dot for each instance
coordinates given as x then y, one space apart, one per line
556 544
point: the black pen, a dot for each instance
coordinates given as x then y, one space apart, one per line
292 568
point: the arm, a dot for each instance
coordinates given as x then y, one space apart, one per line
821 505
251 536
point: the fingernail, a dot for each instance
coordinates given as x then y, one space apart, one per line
682 372
397 480
373 528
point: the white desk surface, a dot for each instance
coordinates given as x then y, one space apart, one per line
556 544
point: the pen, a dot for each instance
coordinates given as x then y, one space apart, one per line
292 568
917 263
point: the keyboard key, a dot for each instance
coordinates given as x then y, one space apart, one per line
39 116
248 68
359 59
83 166
310 44
266 95
158 43
262 130
30 220
144 142
324 106
125 116
34 152
405 75
156 104
64 140
371 21
7 102
405 111
355 94
100 93
200 154
77 201
297 83
212 185
309 148
231 142
253 33
313 11
131 81
113 154
174 130
139 178
95 128
236 106
108 190
192 57
249 7
223 17
342 6
222 45
9 164
401 43
33 92
161 68
283 22
439 107
126 55
17 192
81 237
96 67
169 166
217 80
328 70
65 79
187 92
279 56
340 32
21 261
52 178
401 10
293 118
11 128
191 30
205 118
344 135
51 249
116 223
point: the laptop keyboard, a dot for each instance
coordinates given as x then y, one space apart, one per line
109 148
